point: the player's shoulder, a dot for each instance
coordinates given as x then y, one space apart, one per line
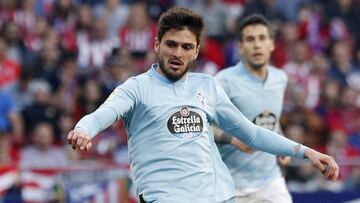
277 73
201 79
141 77
200 76
227 72
135 81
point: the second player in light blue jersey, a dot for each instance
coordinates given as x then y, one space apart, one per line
257 90
168 113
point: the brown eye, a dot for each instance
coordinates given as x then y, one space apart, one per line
249 39
187 47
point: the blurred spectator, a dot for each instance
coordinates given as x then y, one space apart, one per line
44 8
16 49
25 16
316 80
10 120
108 143
299 114
92 2
342 152
348 12
233 11
41 110
231 52
354 139
298 69
89 98
138 36
84 21
289 9
34 39
344 116
9 69
120 153
157 7
342 65
95 47
63 22
214 14
42 153
48 63
210 59
295 132
267 8
66 123
188 3
284 42
11 130
7 10
68 76
329 97
118 69
20 91
115 13
299 176
314 27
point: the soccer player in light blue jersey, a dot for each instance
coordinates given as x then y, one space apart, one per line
168 113
257 89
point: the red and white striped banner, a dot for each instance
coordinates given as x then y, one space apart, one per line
85 184
8 177
38 185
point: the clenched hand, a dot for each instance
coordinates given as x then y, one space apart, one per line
326 164
79 140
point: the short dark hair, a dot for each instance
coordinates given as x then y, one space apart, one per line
180 19
254 19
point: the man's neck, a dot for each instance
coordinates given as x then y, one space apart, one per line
260 73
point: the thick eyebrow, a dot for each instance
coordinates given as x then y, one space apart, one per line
255 36
169 41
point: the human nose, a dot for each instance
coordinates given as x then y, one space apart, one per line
257 44
177 52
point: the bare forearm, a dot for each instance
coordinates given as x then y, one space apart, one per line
221 137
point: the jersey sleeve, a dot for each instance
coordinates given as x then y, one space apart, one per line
231 120
117 105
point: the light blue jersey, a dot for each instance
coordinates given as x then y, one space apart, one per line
261 102
171 146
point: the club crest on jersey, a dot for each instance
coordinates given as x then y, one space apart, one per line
111 96
201 97
185 124
266 120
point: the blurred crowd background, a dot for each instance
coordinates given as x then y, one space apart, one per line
60 59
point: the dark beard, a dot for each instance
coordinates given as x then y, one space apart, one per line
171 76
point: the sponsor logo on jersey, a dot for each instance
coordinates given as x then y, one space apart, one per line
266 120
185 124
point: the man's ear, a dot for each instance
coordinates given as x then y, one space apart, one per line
239 44
156 45
196 52
272 48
